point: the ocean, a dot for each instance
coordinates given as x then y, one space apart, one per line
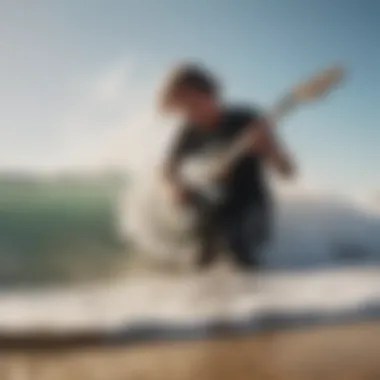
58 230
64 229
65 267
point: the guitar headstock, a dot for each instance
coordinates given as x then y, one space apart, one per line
319 84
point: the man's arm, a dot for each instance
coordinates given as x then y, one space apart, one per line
170 171
174 155
272 149
171 165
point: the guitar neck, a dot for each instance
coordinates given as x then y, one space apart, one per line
311 89
245 141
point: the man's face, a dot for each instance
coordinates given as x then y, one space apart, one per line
197 106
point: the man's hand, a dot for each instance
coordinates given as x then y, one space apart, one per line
177 190
179 193
284 165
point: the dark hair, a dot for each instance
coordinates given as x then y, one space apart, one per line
187 76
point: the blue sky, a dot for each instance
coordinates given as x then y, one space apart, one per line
76 75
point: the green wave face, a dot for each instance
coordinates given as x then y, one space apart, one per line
58 230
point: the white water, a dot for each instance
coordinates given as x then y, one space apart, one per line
188 298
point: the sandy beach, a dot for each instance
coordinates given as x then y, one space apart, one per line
336 352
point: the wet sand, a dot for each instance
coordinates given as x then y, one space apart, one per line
347 352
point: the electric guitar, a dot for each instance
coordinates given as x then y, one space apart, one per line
201 173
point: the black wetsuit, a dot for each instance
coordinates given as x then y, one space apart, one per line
244 217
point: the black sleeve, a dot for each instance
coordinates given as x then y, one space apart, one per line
251 113
243 116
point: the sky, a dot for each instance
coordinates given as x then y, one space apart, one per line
78 78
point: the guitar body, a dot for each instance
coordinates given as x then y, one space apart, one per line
197 173
205 192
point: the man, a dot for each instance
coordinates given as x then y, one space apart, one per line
244 219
